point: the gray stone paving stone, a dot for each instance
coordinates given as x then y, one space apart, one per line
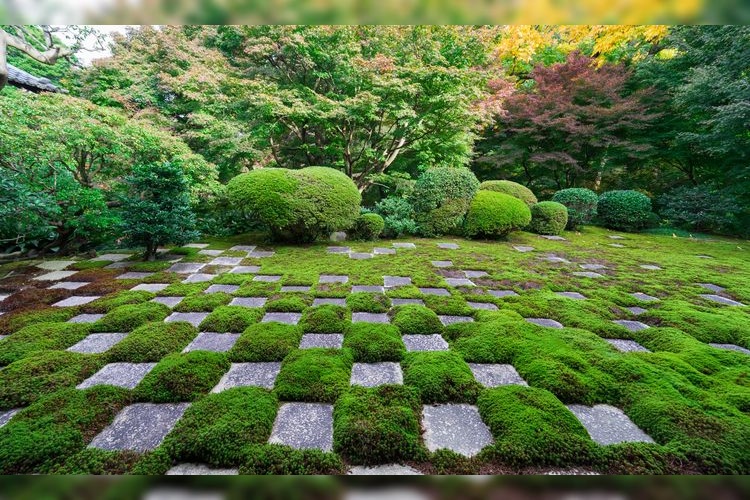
615 237
245 270
384 470
199 278
360 255
243 248
55 276
333 278
624 345
452 320
194 318
395 281
226 261
55 265
383 251
222 288
6 415
338 249
86 318
502 293
404 245
704 256
416 343
482 306
199 470
632 326
168 301
329 301
134 275
550 323
368 289
644 297
616 245
2 337
608 425
249 301
494 375
265 278
4 296
127 375
187 267
249 374
111 257
707 286
365 317
261 254
66 285
650 267
571 295
375 374
407 302
211 341
324 340
730 347
435 291
448 246
553 237
140 427
211 253
523 248
97 343
295 288
476 274
150 287
459 282
587 274
721 300
282 317
456 427
592 267
556 258
636 310
304 426
196 245
442 263
76 301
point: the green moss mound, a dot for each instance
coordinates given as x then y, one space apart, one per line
581 204
510 188
150 343
368 302
41 337
129 317
276 459
203 302
327 318
14 321
266 342
319 375
440 199
440 377
114 300
371 343
495 215
367 227
418 320
234 319
548 217
183 377
624 210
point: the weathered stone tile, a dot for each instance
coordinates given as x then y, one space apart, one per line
194 318
494 375
636 310
383 470
627 345
459 282
338 249
704 256
592 267
587 274
214 342
86 318
404 245
324 340
68 285
55 276
304 426
243 248
264 278
75 301
187 267
168 301
6 415
383 251
375 374
365 317
435 291
296 288
730 347
360 255
199 278
97 343
452 320
368 289
476 274
551 323
55 265
134 275
482 306
608 425
127 375
571 295
140 427
644 297
557 259
119 265
196 245
708 286
721 300
456 427
407 302
150 287
615 237
261 254
552 237
249 301
245 270
502 293
448 246
442 263
416 343
226 261
395 281
616 245
333 278
4 296
650 267
632 326
112 257
199 470
211 253
523 249
329 301
222 288
282 317
249 374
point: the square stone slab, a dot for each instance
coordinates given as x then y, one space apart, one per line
627 345
435 291
456 427
475 274
111 257
608 425
140 427
551 323
6 415
418 343
222 288
296 288
97 343
375 374
249 301
384 470
571 295
333 278
721 300
196 245
261 254
304 426
360 255
394 281
707 286
324 340
592 267
168 301
55 265
331 302
493 375
245 270
194 318
502 293
243 248
127 375
383 251
68 285
650 267
407 302
404 245
214 342
86 318
452 320
75 301
249 374
226 261
365 317
616 245
150 287
615 237
368 289
636 310
448 246
523 249
265 278
555 258
482 306
730 347
211 253
199 470
187 267
55 276
134 275
199 278
459 282
644 297
441 263
552 237
4 296
338 249
282 317
632 326
587 274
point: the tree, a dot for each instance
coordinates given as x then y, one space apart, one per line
156 209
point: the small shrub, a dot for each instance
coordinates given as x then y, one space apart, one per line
152 342
495 215
277 459
231 319
319 375
41 337
371 343
129 317
624 210
182 377
414 319
548 217
325 319
440 377
704 208
441 198
581 204
368 302
203 302
511 188
398 216
266 342
368 227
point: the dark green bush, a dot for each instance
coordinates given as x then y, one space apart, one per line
398 216
273 459
266 342
298 205
129 317
704 208
495 215
327 318
41 337
368 302
203 302
440 377
370 342
581 204
152 342
367 227
548 217
441 198
231 319
414 319
624 210
182 377
510 188
319 375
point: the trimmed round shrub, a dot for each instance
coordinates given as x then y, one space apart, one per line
440 199
297 205
625 210
511 188
495 215
548 217
581 204
417 320
368 227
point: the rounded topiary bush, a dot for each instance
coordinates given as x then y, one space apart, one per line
440 199
297 205
368 227
511 188
548 217
581 204
624 210
495 215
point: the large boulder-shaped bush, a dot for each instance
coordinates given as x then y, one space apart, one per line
581 204
495 215
514 189
298 205
441 198
548 217
624 210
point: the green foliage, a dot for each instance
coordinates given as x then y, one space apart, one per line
288 303
203 302
398 216
367 227
319 375
441 198
548 217
371 343
151 342
495 215
10 323
41 337
511 188
231 319
703 208
325 319
368 302
273 459
129 317
266 342
581 204
93 461
182 377
378 425
117 299
440 377
449 462
624 210
414 319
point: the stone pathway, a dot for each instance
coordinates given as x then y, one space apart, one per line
492 375
97 343
633 326
456 427
127 375
199 470
249 374
375 374
324 340
304 426
721 300
282 317
731 347
608 425
550 323
417 343
214 342
194 318
140 427
627 345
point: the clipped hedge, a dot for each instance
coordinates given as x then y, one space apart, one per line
440 199
625 210
581 204
548 217
511 188
495 215
367 227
